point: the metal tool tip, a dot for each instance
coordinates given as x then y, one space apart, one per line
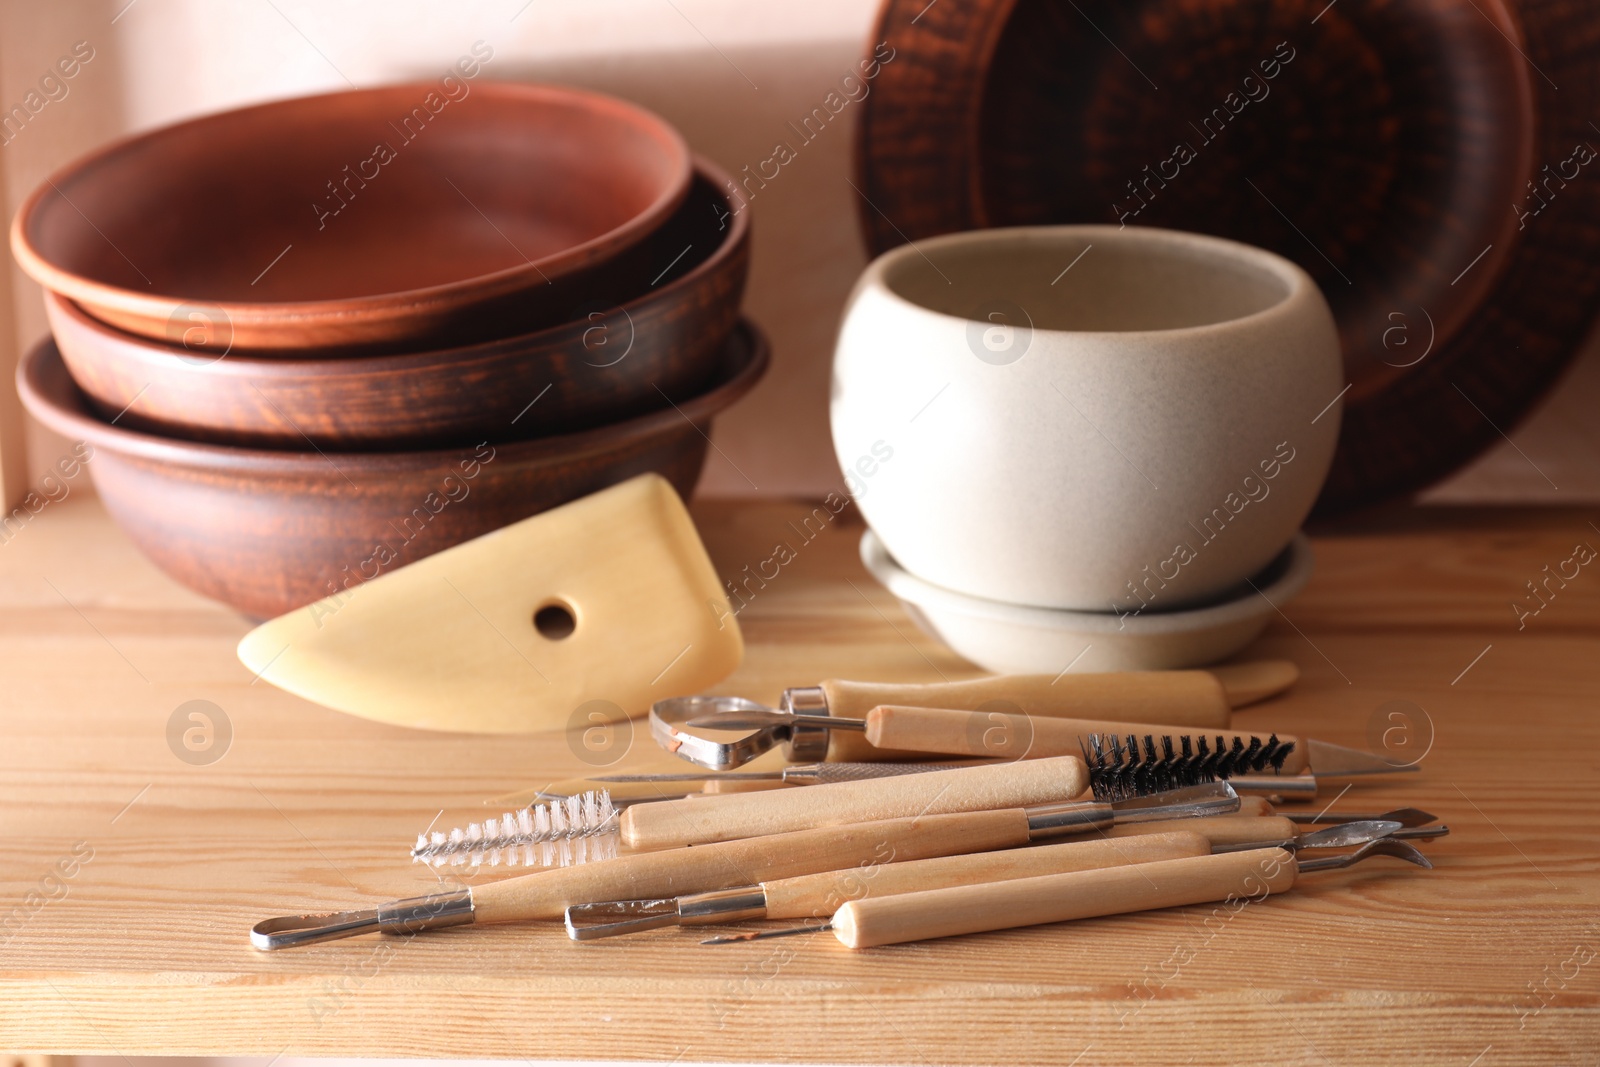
1386 846
602 919
1338 761
763 935
1343 835
1189 794
1401 850
287 931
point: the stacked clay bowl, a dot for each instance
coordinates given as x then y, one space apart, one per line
290 331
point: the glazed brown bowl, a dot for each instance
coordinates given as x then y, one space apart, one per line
267 532
610 362
375 218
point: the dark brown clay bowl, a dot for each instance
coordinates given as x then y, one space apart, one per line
368 219
267 532
610 362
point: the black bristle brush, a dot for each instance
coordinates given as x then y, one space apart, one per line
1121 767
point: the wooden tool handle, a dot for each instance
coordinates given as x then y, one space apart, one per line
999 735
722 786
670 823
1218 829
1193 698
816 896
1255 806
1258 679
1050 898
546 894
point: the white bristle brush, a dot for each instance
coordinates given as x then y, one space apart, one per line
580 828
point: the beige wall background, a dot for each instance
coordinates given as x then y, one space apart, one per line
730 74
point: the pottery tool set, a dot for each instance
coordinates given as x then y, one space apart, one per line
989 837
1145 780
881 852
448 478
985 811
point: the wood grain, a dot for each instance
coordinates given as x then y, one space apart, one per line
145 950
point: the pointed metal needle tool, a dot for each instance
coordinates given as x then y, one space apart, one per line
1408 817
1343 835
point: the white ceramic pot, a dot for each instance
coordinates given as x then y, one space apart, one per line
1086 417
1009 639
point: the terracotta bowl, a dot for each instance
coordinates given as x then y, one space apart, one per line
270 531
608 364
449 210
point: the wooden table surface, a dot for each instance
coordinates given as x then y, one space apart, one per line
140 948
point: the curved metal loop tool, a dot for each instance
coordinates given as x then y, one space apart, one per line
409 916
1384 846
774 728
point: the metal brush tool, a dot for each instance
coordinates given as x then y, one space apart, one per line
570 828
576 829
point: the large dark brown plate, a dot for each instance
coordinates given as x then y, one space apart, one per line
1389 154
270 531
